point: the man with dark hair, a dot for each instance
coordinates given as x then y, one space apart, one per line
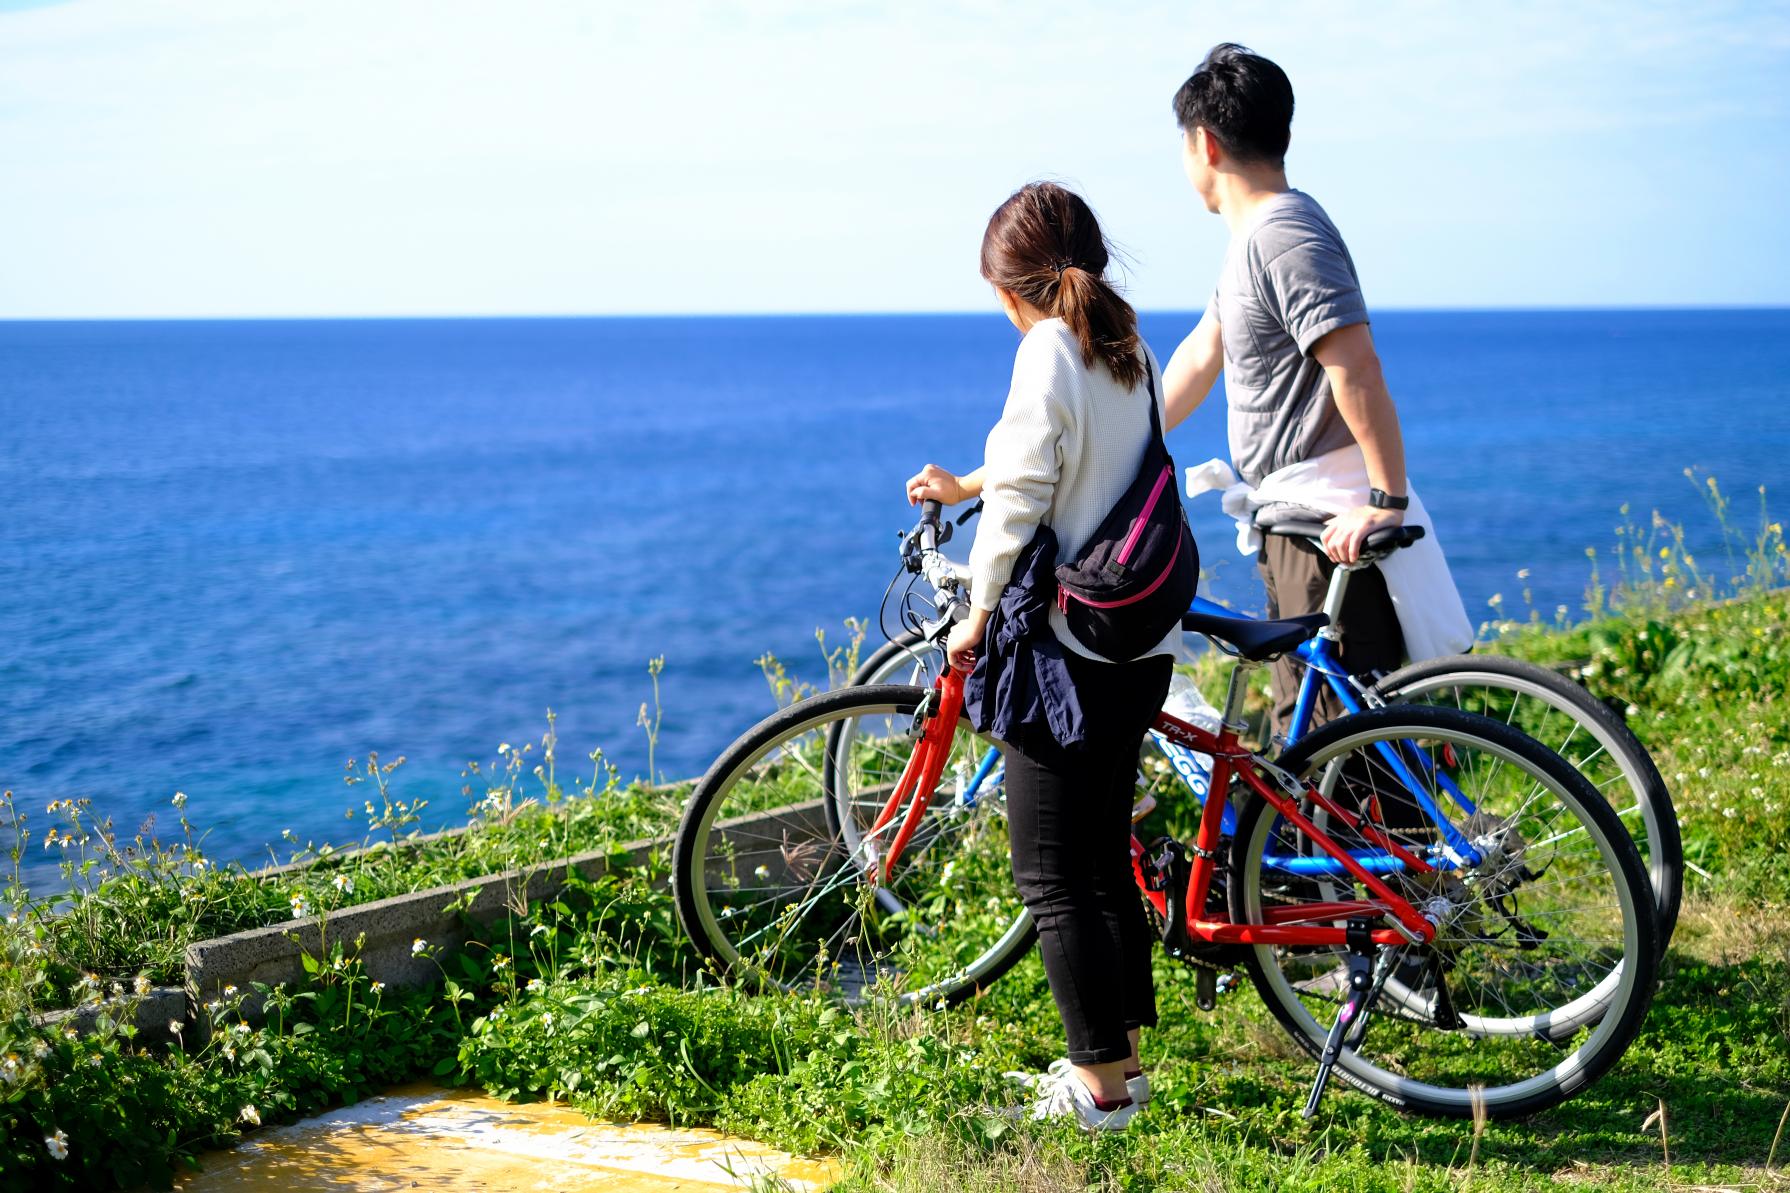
1288 327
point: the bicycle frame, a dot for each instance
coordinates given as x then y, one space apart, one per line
1231 758
919 779
1323 666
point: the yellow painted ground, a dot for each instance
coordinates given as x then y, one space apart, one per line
421 1137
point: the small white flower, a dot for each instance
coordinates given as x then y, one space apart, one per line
95 1061
229 991
230 1052
343 883
939 1005
9 1068
141 985
504 748
535 985
199 865
39 1049
179 800
301 906
57 1145
763 873
500 962
241 1029
213 1007
176 1026
418 947
547 1018
378 987
250 1115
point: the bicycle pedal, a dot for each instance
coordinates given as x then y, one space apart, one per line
1209 985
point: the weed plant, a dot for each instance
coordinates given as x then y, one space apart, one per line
592 997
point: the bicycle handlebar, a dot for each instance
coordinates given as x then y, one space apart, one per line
920 553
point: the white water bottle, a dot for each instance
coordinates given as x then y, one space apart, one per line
1185 702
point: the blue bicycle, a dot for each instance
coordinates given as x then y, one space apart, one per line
1543 704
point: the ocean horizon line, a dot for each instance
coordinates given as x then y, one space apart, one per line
663 316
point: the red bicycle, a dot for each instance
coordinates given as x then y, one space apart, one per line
855 843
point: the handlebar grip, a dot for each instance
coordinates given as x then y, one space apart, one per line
930 510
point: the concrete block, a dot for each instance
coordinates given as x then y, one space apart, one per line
150 1014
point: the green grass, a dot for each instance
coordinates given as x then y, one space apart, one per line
129 907
594 999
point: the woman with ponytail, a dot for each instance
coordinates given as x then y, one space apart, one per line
1069 442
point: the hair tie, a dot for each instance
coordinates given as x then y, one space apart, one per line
1060 266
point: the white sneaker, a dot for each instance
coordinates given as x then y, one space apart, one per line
1059 1093
1139 1089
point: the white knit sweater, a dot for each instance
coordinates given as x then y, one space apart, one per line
1069 441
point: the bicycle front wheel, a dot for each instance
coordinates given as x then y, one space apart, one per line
1569 720
1544 959
773 894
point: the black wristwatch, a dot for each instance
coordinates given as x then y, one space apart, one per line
1380 499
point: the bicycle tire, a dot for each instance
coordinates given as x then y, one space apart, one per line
1604 1022
908 649
1657 837
762 792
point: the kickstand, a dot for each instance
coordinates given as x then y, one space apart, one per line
1384 966
1361 952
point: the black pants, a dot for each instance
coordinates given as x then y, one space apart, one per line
1069 815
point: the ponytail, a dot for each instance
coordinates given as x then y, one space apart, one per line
1104 324
1045 245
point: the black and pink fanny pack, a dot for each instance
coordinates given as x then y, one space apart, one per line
1137 574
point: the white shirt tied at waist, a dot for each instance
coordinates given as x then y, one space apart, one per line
1430 613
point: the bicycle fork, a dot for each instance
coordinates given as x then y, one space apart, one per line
919 778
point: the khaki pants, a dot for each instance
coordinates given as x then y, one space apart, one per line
1297 575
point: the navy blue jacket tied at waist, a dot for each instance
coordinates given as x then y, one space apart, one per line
1020 687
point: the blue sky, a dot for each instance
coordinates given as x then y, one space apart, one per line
374 157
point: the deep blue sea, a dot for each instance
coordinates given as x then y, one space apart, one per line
235 554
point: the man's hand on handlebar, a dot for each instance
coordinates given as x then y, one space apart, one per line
1344 534
936 484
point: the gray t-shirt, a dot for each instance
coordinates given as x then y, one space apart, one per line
1287 281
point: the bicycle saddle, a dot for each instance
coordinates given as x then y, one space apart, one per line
1378 545
1257 641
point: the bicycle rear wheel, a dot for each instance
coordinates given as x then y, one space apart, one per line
1544 961
772 893
1569 720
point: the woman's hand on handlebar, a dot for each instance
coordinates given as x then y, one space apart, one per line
937 484
966 639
